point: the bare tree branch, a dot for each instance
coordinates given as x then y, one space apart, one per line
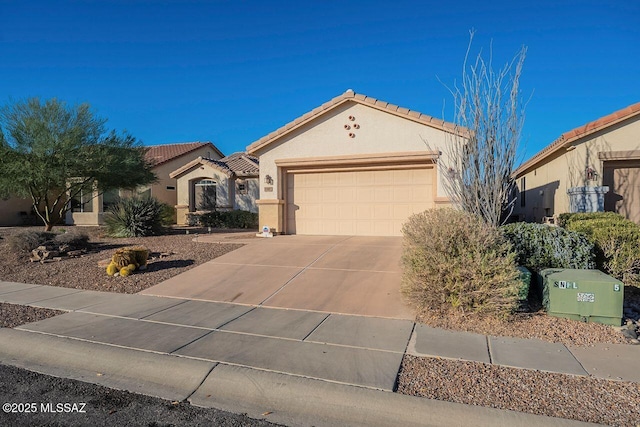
481 153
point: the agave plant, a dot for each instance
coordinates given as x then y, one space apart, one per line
136 217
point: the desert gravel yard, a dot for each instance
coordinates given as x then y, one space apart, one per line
171 255
565 396
573 397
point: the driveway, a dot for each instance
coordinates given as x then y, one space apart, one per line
336 274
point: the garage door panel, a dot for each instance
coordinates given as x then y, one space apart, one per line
329 195
421 196
346 194
365 194
364 211
369 203
382 212
402 194
365 178
382 194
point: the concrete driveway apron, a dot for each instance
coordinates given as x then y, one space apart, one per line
336 274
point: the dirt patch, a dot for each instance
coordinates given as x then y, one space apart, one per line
172 254
12 315
542 393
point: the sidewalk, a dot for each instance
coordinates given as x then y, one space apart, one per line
214 353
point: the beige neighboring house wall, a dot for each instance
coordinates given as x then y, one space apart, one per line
355 165
161 190
167 158
605 152
16 211
235 179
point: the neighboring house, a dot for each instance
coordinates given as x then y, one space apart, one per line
16 211
585 161
353 166
88 208
206 184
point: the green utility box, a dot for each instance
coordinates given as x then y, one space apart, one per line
586 295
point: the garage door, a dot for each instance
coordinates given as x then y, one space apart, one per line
623 179
360 203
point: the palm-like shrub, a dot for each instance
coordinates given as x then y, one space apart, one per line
453 259
136 217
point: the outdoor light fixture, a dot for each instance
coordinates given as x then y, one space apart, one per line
590 174
268 179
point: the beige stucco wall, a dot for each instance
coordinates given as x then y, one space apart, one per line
204 172
379 132
15 211
94 217
159 189
247 202
547 183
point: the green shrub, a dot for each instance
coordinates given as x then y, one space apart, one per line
229 219
540 246
617 242
26 241
565 218
136 217
453 259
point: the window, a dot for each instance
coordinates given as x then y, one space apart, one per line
205 195
83 202
242 188
110 198
523 189
170 187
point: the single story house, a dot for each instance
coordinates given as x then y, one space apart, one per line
17 211
206 184
88 208
352 166
593 167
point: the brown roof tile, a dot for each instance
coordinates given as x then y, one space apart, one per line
349 95
580 132
159 154
242 164
238 164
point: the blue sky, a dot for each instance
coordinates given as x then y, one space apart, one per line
233 71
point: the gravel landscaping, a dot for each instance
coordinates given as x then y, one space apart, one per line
530 325
557 395
12 315
170 255
580 398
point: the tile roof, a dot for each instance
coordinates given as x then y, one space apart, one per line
159 154
351 96
242 163
237 164
580 132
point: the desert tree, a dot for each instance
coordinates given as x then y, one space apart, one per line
480 155
50 152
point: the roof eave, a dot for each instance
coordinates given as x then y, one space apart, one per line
566 141
350 96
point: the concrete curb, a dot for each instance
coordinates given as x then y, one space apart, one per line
160 375
281 398
299 401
